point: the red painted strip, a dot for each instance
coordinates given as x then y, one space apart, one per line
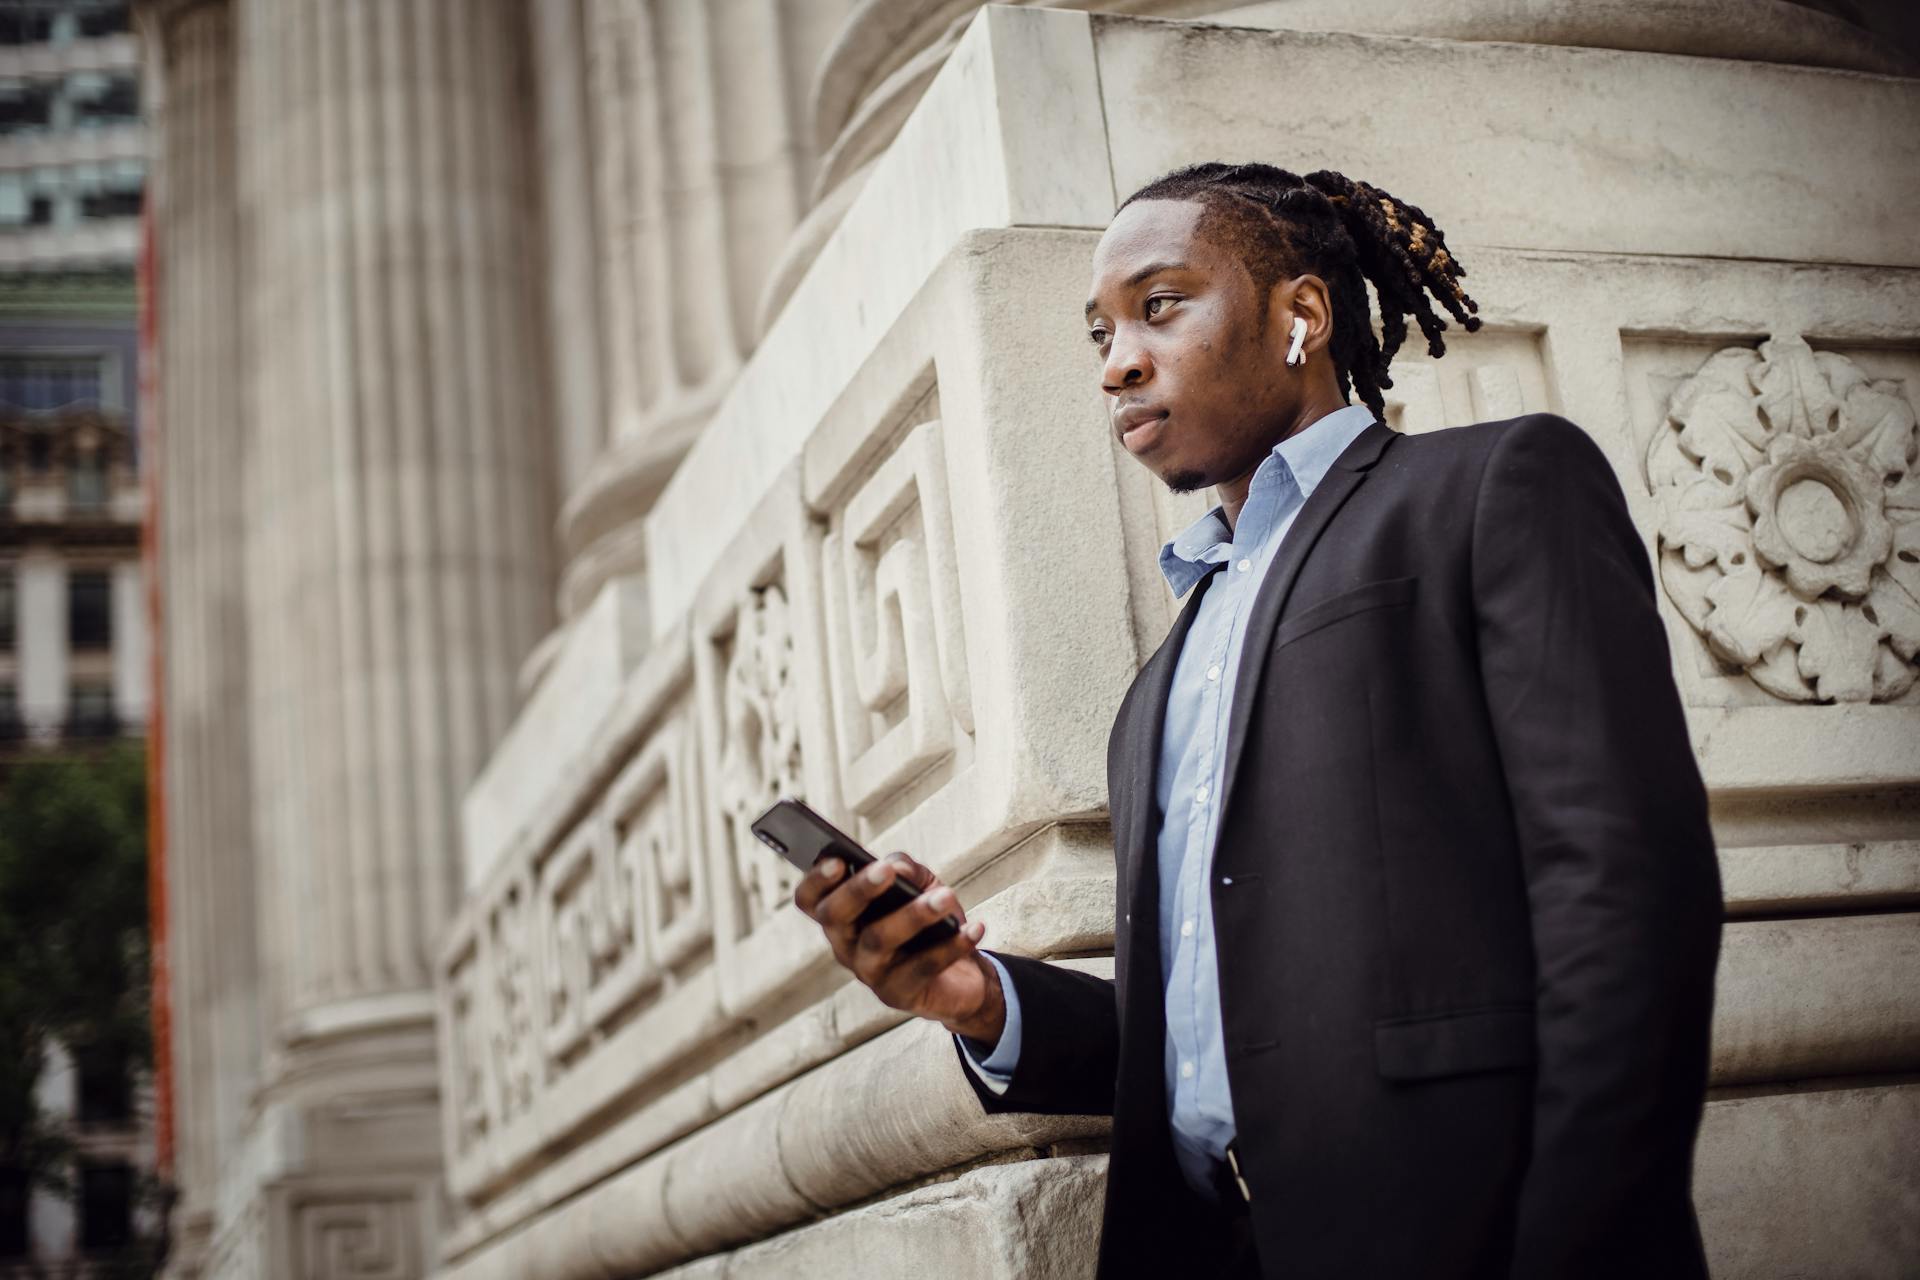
160 941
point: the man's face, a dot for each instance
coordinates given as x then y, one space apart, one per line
1198 391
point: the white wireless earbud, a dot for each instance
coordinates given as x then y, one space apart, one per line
1294 354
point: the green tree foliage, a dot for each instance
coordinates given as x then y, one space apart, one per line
73 936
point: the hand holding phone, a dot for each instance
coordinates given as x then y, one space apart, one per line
794 831
891 922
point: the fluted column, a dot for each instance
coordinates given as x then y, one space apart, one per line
699 166
201 443
402 495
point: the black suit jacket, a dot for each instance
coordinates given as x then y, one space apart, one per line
1466 904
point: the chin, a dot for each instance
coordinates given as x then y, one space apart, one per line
1185 481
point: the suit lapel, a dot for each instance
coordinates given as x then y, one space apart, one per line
1348 470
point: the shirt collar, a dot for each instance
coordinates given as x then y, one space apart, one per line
1308 454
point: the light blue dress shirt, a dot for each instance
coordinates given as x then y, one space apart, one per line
1187 783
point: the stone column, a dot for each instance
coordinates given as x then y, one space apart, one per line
400 489
699 162
198 447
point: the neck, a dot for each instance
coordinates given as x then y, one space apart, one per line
1317 405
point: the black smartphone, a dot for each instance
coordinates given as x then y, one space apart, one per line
801 836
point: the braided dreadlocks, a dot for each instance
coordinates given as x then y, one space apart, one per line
1349 234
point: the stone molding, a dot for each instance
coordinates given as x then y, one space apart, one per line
833 1137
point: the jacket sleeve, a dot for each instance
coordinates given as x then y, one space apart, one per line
1069 1045
1622 882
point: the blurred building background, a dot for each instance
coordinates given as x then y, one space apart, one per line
582 421
74 661
73 651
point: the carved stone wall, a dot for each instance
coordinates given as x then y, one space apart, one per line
911 626
811 536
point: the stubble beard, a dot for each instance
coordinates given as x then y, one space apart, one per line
1185 482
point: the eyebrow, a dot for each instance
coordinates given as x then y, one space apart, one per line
1152 268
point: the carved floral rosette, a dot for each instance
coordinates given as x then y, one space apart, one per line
1790 520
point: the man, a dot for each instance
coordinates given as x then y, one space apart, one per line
1417 905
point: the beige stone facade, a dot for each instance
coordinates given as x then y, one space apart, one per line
590 419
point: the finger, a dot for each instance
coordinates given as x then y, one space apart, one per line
910 976
891 930
837 909
913 871
817 883
922 877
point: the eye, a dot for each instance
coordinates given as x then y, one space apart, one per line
1157 298
1098 336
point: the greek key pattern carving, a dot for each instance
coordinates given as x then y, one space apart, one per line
587 913
354 1238
624 896
653 810
901 694
1790 520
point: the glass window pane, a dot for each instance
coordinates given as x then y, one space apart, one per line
106 1206
89 610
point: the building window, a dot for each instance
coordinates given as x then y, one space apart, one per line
9 606
90 712
87 482
110 100
25 26
106 1087
89 610
105 20
50 382
26 106
106 1206
124 203
14 1190
12 727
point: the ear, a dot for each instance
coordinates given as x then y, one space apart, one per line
1304 296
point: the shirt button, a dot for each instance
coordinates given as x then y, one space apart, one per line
1213 672
1186 928
1201 794
1186 1071
1244 565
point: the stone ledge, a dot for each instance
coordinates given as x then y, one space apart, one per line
804 1149
1029 1218
1803 878
1817 997
1038 901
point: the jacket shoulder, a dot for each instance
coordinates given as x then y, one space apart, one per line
1472 446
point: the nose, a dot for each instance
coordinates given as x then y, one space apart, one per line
1127 366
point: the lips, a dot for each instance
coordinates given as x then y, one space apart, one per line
1138 426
